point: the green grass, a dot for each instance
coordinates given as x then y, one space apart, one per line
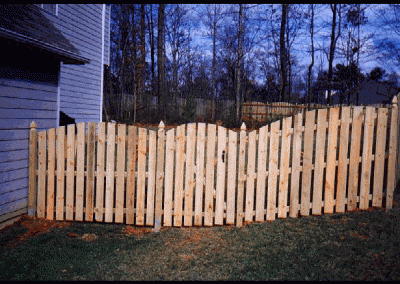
350 246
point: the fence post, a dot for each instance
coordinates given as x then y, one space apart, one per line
32 169
393 144
159 176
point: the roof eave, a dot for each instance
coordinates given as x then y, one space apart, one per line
65 55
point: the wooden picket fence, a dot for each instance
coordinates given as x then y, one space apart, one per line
320 161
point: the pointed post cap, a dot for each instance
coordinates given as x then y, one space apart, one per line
161 125
33 124
243 127
394 101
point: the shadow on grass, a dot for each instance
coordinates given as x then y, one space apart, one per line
350 246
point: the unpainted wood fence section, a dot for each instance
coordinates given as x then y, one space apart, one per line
320 161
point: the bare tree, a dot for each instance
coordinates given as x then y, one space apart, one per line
335 34
161 61
283 53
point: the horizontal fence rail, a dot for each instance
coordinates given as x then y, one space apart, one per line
318 161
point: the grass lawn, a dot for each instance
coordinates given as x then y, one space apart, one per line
350 246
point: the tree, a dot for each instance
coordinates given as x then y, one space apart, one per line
161 61
311 12
283 53
336 12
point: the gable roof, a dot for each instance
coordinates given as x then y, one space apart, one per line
26 24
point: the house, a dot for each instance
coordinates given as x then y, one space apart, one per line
53 57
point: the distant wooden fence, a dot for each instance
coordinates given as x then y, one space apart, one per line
320 161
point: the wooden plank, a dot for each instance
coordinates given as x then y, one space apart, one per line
261 173
70 189
220 190
189 177
60 195
41 199
273 170
366 162
169 176
319 162
109 206
354 156
296 167
331 160
179 168
90 171
241 176
393 144
379 161
80 171
307 163
51 134
251 165
151 178
32 169
209 193
160 176
120 180
284 168
231 183
198 206
342 162
101 139
141 182
131 174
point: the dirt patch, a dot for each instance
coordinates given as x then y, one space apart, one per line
136 231
35 226
89 237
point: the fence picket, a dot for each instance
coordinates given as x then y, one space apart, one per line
393 145
366 158
379 160
241 176
70 189
120 180
101 139
151 179
90 171
210 165
261 173
51 134
169 178
198 218
189 177
141 177
307 163
354 158
220 190
331 160
80 171
231 182
284 168
60 173
160 175
296 167
273 170
251 164
179 164
319 162
343 160
131 174
41 193
110 172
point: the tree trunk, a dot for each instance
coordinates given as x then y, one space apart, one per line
161 60
334 39
238 66
312 54
283 57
